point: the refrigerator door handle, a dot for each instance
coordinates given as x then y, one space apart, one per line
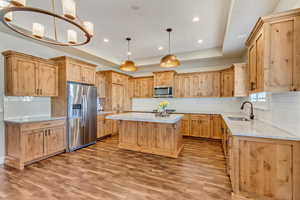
82 112
85 109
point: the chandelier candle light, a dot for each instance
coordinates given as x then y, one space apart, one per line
38 30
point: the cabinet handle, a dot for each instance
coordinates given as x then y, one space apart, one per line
252 85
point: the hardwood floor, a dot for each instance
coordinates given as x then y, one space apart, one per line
104 172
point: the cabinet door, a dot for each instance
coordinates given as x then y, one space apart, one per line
216 132
227 83
108 126
187 86
100 126
206 84
25 73
33 145
74 72
55 140
282 47
88 74
101 85
200 126
117 98
164 79
252 68
48 80
185 125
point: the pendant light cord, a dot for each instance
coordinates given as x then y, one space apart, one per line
128 50
169 42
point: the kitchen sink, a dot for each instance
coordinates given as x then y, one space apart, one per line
238 119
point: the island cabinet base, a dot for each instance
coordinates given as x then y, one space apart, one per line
148 137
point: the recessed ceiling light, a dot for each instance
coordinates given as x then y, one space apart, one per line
200 41
160 48
129 53
106 40
196 19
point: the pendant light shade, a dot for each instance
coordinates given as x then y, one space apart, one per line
169 60
128 65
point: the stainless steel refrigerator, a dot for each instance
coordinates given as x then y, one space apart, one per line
82 115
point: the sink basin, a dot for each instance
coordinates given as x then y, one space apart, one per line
238 119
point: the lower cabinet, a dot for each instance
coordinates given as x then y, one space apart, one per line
106 127
29 142
261 168
202 125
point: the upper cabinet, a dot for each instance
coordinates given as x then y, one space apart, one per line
199 84
227 82
100 84
165 79
143 87
77 70
27 75
274 53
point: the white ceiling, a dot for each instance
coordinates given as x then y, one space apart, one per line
223 26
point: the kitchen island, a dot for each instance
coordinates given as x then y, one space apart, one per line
145 132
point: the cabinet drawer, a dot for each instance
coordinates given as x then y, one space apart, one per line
42 125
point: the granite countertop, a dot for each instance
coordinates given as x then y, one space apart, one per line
255 128
146 117
103 112
32 119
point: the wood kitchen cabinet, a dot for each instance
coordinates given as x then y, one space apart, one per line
27 75
200 126
70 69
227 82
164 79
273 53
185 125
104 126
216 127
30 142
193 85
143 87
262 168
77 70
117 91
100 84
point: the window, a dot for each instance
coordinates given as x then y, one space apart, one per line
258 97
261 100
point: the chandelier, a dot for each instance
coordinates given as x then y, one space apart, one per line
8 8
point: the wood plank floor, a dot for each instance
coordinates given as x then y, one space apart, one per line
104 172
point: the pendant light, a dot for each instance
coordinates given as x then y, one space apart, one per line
128 65
169 60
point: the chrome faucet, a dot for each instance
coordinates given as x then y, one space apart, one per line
251 114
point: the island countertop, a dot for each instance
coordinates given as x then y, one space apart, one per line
146 117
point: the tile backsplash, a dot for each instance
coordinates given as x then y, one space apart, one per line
192 105
16 107
283 111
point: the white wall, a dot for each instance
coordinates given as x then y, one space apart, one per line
190 105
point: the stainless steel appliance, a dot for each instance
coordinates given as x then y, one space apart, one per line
82 115
163 92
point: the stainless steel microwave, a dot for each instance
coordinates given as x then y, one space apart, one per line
163 92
